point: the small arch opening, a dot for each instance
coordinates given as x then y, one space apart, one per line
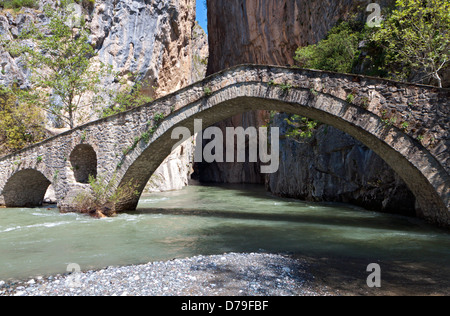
83 160
26 188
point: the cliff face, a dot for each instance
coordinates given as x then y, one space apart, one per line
151 39
269 31
333 166
329 167
157 41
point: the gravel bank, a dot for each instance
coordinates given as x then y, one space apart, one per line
230 274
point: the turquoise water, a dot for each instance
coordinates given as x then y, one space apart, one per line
209 220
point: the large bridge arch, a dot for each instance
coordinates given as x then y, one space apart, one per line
423 174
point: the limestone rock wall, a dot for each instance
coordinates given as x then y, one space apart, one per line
332 167
158 41
153 39
269 31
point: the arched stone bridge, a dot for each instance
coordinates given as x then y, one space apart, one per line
406 125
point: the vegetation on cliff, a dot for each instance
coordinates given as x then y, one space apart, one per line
63 76
17 4
20 124
337 52
412 44
416 40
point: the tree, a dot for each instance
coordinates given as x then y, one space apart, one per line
65 81
20 124
416 39
337 52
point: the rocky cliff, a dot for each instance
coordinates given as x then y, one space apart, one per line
331 167
269 31
157 41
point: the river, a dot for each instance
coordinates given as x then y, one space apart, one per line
209 220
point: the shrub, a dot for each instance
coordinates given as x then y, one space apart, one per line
300 127
101 200
416 40
20 124
18 4
337 52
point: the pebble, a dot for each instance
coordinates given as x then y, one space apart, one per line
231 274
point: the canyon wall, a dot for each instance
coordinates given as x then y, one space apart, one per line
156 41
269 31
331 166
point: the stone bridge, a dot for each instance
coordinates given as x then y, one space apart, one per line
406 125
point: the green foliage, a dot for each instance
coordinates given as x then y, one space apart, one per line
62 74
405 126
337 52
20 124
416 39
350 98
127 98
388 119
18 4
152 127
207 91
104 195
300 127
286 87
413 43
158 118
146 137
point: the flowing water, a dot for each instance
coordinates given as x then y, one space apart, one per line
209 220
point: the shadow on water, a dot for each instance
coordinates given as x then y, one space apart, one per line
341 221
